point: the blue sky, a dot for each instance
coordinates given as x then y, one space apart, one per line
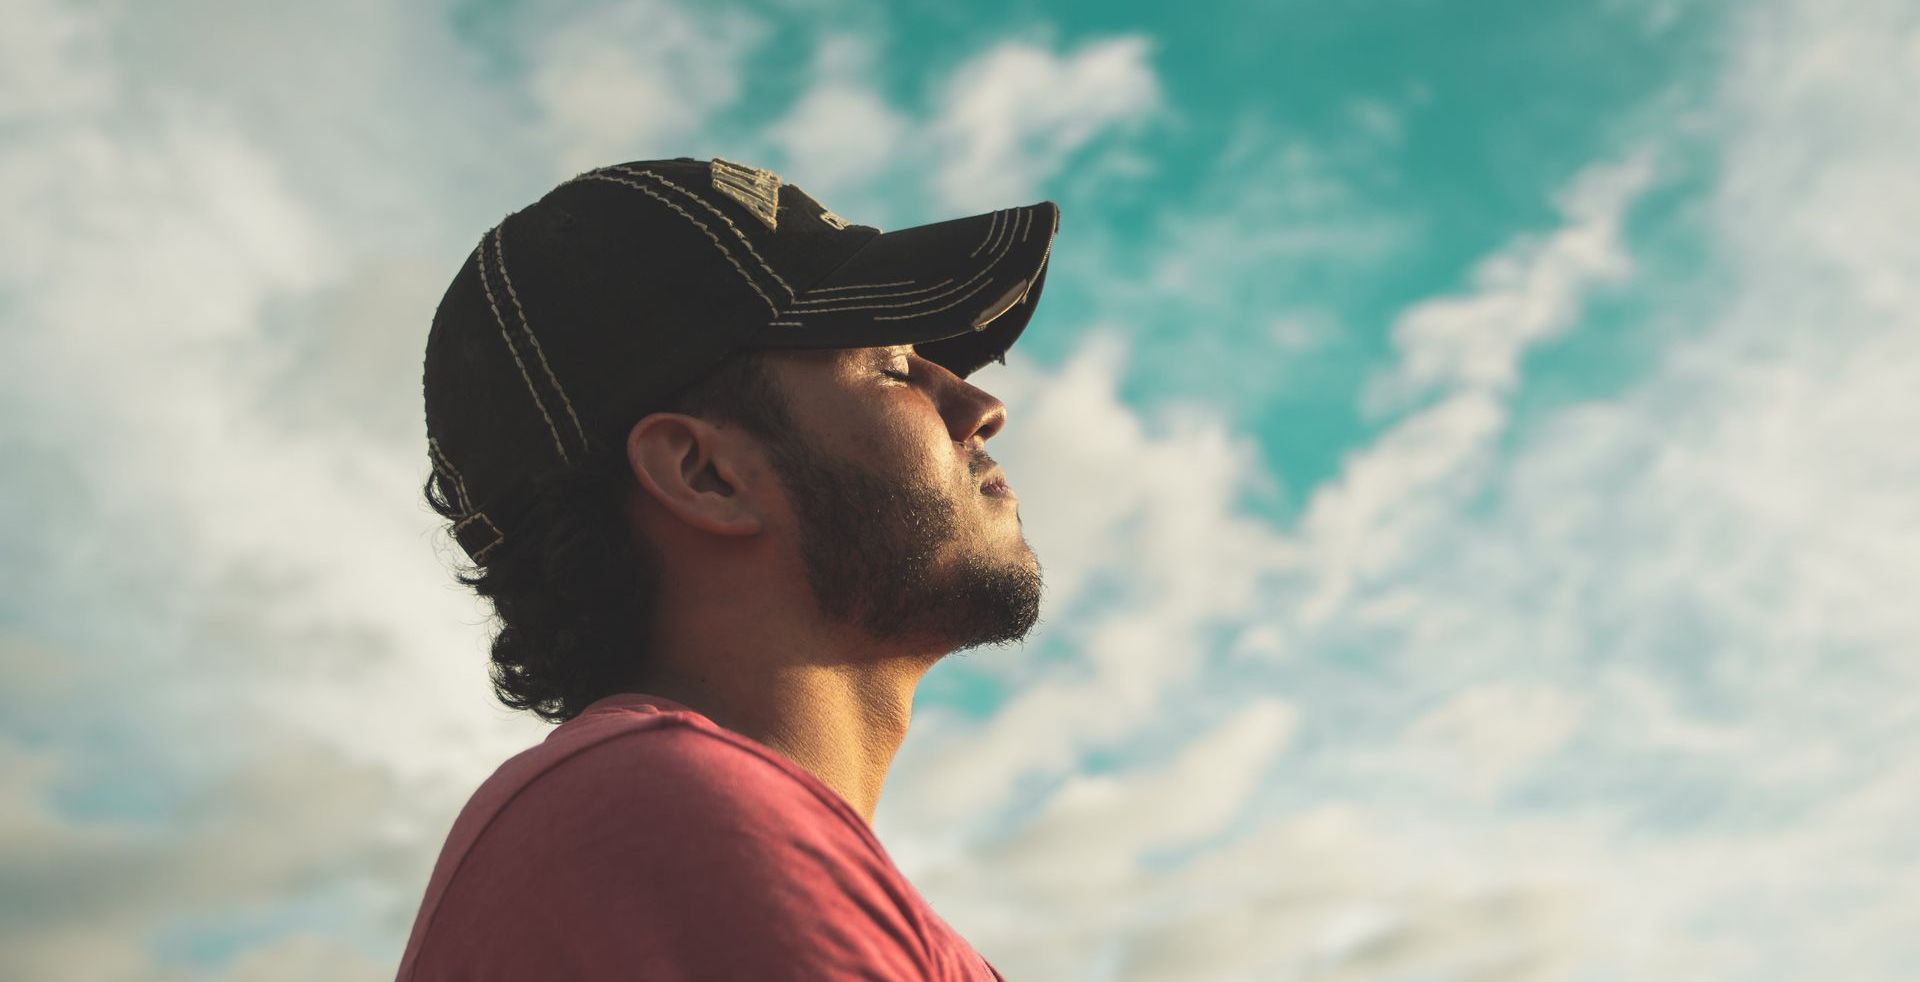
1469 445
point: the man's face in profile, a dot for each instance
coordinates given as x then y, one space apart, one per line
903 525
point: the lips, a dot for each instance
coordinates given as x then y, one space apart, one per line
996 484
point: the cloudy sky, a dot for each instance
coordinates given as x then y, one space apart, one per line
1472 448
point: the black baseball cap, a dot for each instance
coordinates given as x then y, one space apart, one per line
579 314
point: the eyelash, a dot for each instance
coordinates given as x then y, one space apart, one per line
901 376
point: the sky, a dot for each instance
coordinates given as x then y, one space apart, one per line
1470 446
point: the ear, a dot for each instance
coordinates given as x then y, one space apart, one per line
697 472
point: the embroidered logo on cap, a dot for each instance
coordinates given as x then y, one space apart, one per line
754 187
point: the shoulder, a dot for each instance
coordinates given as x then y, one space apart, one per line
668 764
642 839
639 782
653 834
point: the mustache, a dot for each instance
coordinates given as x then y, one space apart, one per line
978 461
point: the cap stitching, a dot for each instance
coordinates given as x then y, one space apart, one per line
871 296
480 256
922 313
1006 229
498 536
500 258
444 465
1007 248
649 192
1024 228
441 460
992 225
859 286
717 213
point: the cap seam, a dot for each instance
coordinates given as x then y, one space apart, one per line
500 257
649 192
922 313
440 459
717 213
480 257
861 286
872 296
1006 230
992 226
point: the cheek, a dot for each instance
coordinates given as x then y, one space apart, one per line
915 436
901 436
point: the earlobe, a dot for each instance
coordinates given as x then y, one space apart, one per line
686 466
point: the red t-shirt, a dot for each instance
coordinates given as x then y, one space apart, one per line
641 840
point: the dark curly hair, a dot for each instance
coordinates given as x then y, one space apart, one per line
573 590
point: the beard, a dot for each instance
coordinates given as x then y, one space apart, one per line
873 550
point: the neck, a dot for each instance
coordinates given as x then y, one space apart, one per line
841 719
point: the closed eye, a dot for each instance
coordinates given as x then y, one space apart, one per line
901 376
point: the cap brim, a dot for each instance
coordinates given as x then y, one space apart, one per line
961 291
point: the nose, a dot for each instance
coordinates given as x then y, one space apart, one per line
972 414
988 417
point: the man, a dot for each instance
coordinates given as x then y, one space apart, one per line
714 456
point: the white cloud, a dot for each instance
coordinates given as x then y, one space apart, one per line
1334 893
292 819
37 51
1005 123
1468 348
842 131
1095 828
1480 740
1521 296
302 958
635 80
1016 115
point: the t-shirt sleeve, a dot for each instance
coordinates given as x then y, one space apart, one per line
674 855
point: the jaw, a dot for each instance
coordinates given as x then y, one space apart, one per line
1004 545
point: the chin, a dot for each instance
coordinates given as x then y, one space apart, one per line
1004 547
